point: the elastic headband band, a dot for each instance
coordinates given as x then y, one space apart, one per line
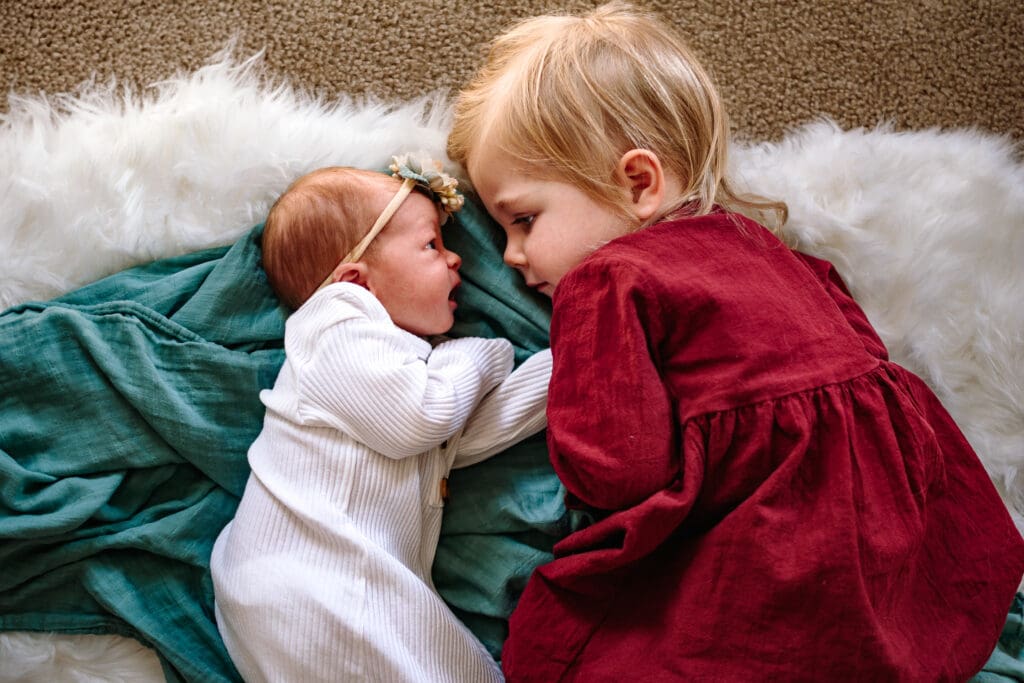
378 225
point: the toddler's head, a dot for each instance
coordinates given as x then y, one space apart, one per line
567 96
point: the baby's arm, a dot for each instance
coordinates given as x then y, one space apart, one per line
386 388
514 410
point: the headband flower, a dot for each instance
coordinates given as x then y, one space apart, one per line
428 173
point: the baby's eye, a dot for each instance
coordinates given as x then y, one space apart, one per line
525 221
432 244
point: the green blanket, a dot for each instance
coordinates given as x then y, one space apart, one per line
127 408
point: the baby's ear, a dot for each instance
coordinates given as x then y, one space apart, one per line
350 272
641 172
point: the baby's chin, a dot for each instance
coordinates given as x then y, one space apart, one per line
428 331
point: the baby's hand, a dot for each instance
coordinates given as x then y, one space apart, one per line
493 358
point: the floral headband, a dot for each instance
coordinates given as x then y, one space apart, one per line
422 171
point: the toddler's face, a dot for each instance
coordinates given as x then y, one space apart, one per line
410 271
550 226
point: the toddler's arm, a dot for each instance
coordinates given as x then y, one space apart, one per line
851 310
514 410
611 424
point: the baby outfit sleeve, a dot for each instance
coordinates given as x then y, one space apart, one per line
610 418
512 411
357 372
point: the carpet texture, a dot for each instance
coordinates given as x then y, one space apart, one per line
914 63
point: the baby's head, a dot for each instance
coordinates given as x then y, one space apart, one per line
567 96
317 220
371 229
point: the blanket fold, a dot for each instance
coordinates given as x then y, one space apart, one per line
127 409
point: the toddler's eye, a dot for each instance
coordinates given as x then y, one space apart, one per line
525 221
432 244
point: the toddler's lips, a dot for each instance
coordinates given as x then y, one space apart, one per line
541 287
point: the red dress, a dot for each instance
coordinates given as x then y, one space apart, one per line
774 499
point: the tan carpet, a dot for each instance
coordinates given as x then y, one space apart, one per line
916 63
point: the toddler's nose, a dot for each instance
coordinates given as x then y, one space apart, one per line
513 256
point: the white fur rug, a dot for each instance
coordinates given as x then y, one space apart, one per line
927 228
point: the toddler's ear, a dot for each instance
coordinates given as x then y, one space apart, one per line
641 172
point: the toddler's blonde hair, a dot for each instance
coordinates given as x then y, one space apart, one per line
567 96
313 224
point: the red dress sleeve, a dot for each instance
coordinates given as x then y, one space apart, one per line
851 310
610 420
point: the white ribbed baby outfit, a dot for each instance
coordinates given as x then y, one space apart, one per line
324 573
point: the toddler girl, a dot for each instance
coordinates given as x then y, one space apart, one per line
772 498
324 573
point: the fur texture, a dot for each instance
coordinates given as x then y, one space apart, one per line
50 658
927 228
108 178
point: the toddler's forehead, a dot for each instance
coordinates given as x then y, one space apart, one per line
498 164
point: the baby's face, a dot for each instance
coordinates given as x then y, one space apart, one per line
550 226
410 271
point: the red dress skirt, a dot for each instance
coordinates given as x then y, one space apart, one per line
773 498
